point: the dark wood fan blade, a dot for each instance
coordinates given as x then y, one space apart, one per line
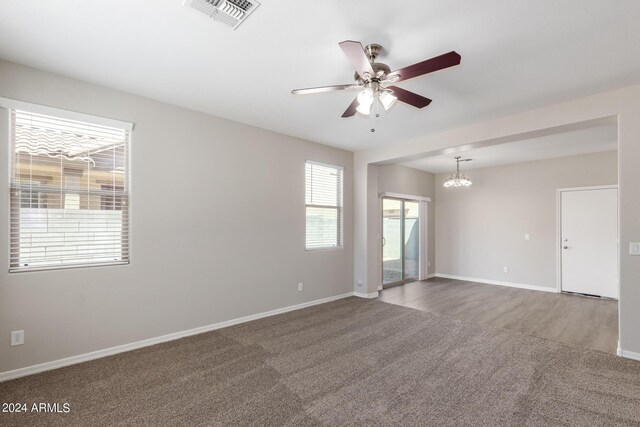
322 89
355 54
351 111
429 66
410 98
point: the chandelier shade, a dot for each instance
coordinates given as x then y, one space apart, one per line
458 179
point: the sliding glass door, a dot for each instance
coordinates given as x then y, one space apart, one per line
400 241
391 241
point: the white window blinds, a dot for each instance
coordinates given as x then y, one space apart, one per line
324 188
69 193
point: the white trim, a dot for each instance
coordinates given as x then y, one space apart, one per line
324 248
559 192
47 366
628 354
59 112
423 244
380 250
368 296
429 276
404 196
327 165
558 239
498 282
594 187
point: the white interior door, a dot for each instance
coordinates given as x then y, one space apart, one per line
589 242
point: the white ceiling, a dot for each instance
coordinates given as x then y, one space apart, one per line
592 140
516 55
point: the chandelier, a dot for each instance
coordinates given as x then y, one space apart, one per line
458 179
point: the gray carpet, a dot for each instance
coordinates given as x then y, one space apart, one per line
349 362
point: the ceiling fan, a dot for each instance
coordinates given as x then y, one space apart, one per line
375 80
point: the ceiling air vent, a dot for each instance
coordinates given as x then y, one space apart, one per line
231 12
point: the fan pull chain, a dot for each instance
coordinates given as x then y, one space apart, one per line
374 114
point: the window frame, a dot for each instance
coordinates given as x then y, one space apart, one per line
6 107
339 209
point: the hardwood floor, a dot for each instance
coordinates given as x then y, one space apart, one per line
586 322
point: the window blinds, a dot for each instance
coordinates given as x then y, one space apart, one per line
69 193
323 199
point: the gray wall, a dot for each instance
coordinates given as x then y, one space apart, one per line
405 180
218 230
480 230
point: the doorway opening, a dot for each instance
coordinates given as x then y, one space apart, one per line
400 241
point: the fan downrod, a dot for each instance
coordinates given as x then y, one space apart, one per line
372 50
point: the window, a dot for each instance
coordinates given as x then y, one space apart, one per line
32 198
323 200
112 200
69 192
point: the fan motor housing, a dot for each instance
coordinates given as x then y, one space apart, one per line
380 70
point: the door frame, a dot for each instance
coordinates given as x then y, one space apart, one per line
423 234
402 280
559 192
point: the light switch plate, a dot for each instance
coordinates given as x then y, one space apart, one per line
527 236
634 248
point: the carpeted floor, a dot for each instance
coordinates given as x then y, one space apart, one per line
349 362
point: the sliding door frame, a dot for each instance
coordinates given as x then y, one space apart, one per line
423 245
402 280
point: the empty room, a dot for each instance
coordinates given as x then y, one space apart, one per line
249 212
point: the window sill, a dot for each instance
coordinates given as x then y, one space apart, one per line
329 248
65 267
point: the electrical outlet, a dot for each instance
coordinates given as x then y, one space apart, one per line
17 338
300 287
634 248
527 236
359 282
505 269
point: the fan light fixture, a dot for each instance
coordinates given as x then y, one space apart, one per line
365 101
374 81
368 98
458 179
387 99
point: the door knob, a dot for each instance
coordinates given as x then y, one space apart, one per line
565 247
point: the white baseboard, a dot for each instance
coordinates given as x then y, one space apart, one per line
628 354
499 283
429 276
47 366
363 295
